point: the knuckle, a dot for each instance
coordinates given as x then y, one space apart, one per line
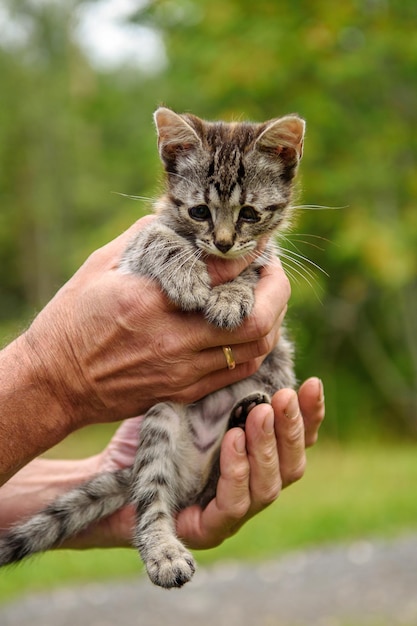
239 475
179 370
94 258
264 345
294 436
238 509
166 346
311 439
178 375
269 457
270 494
264 322
296 472
250 367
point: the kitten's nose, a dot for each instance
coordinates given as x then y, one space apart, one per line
223 246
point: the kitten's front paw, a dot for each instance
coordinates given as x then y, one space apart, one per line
229 305
161 254
242 409
189 288
170 565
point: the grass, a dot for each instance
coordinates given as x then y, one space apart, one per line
348 493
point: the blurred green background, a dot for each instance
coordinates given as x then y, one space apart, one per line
76 131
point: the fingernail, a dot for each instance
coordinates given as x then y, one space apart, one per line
321 390
292 411
240 443
269 422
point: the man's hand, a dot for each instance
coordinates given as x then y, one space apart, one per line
256 464
110 345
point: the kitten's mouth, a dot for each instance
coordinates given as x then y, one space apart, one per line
229 254
252 251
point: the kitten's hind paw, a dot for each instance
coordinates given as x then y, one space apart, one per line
170 565
242 409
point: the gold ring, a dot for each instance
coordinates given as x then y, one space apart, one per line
230 359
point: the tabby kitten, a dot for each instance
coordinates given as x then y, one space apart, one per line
228 187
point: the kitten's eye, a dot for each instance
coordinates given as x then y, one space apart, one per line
248 214
200 213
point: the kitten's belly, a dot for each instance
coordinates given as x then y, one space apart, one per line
216 407
209 416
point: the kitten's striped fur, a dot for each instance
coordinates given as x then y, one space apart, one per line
228 186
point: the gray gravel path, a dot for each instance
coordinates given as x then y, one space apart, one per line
359 584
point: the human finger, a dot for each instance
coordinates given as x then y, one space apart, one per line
207 528
312 405
289 430
208 370
212 359
265 477
272 293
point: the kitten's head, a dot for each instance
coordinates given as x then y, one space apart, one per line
228 185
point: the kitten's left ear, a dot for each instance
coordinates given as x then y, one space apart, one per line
283 138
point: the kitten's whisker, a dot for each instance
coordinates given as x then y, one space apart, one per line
290 236
307 243
289 272
300 262
306 259
308 272
177 262
180 260
288 240
179 176
131 197
264 257
290 269
162 246
311 235
261 259
197 256
317 207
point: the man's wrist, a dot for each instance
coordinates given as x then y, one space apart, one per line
56 372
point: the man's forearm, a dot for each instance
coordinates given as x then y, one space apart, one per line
31 417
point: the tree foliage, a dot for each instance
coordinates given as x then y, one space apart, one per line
70 135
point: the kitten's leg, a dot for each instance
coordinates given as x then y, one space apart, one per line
66 516
230 303
162 477
165 256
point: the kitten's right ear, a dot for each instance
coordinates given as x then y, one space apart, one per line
283 138
175 135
